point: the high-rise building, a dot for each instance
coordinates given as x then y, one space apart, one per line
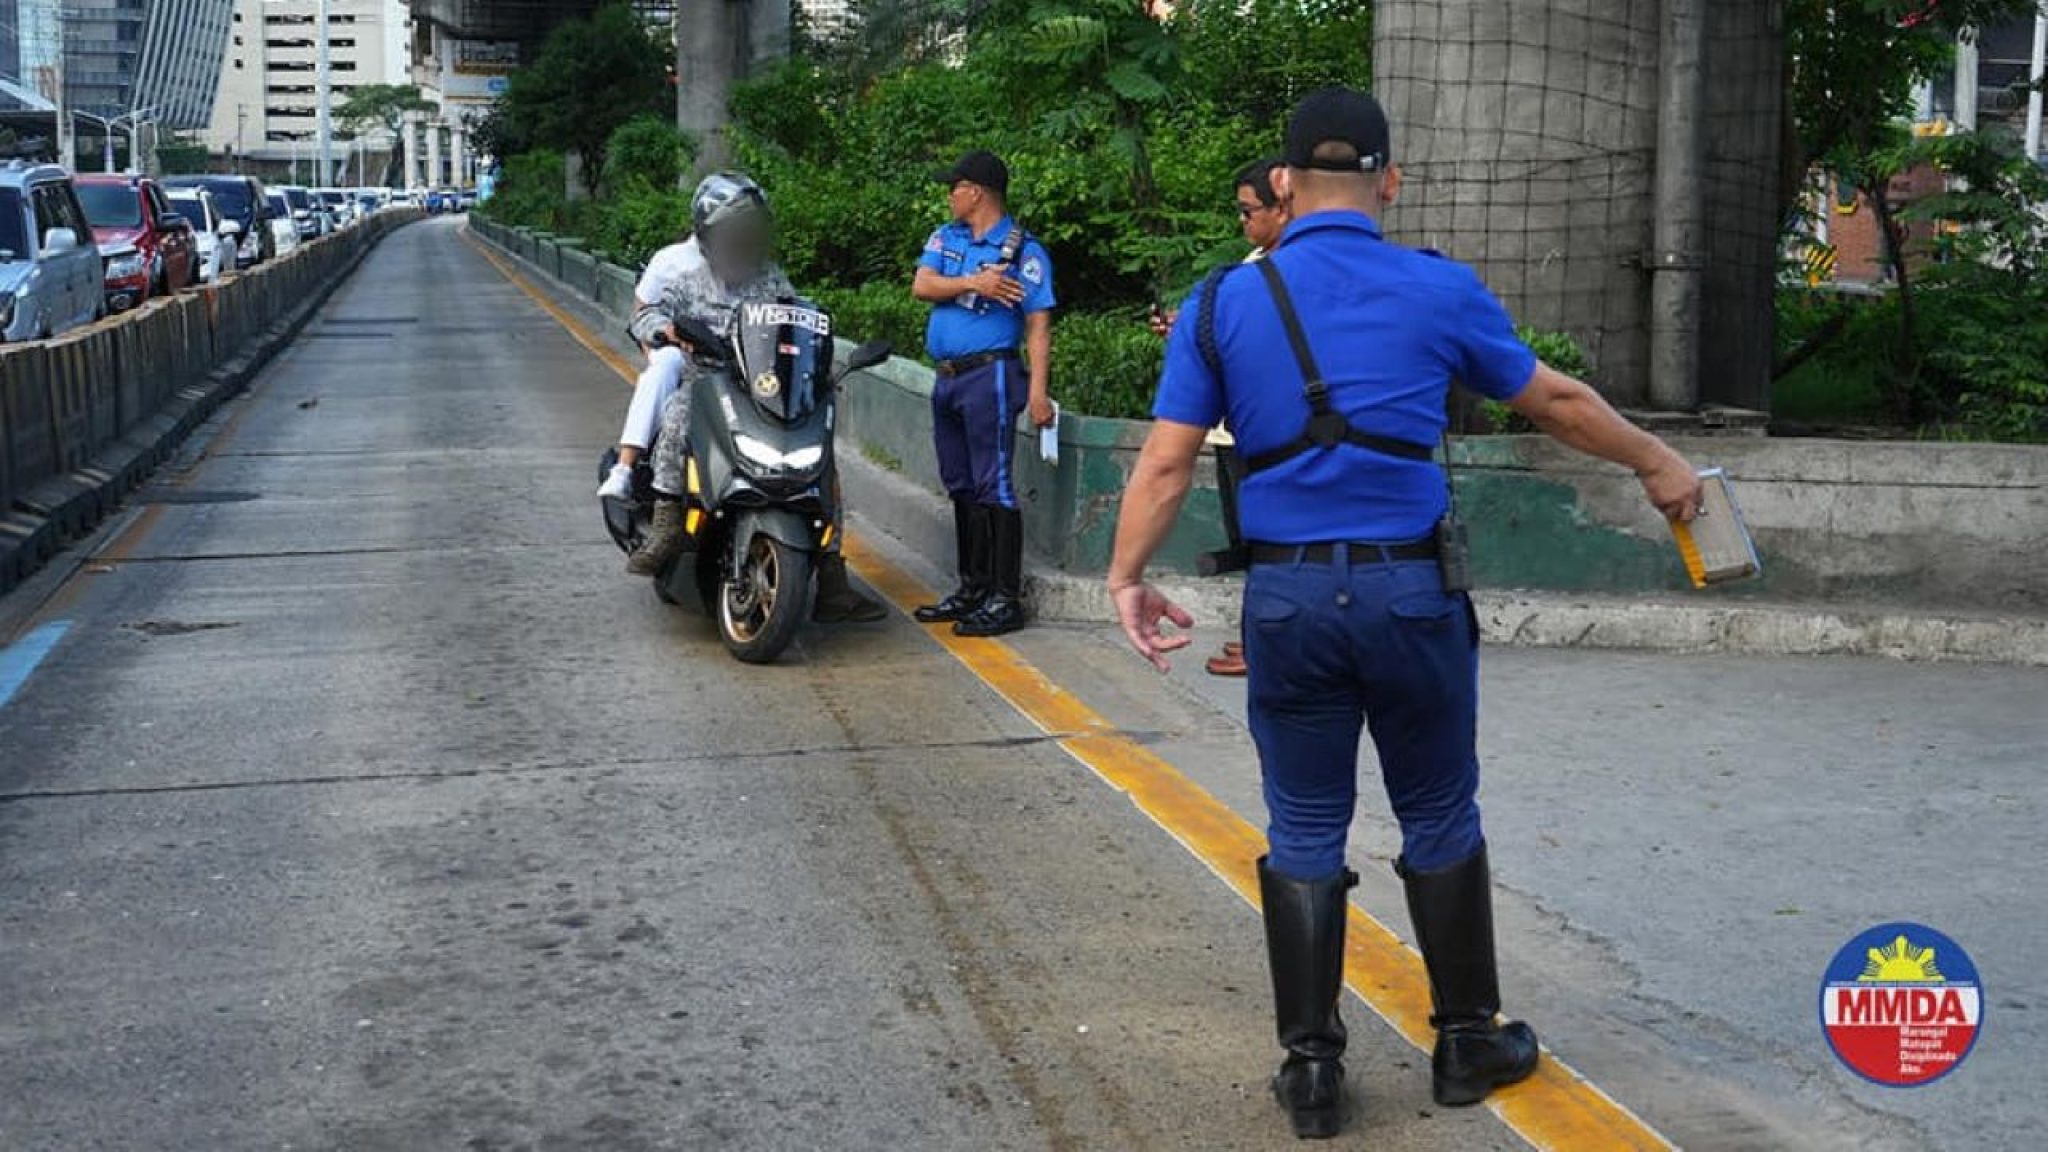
268 103
10 44
102 42
154 60
183 44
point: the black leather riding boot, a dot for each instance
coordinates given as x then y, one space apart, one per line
1453 913
971 547
1305 949
838 601
1002 611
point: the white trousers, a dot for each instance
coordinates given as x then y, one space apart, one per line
658 382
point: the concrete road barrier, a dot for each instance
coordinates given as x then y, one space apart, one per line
133 342
30 441
84 415
579 271
73 367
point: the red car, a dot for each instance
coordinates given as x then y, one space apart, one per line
131 210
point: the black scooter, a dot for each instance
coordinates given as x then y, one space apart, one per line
757 512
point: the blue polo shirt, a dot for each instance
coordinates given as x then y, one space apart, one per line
969 325
1390 328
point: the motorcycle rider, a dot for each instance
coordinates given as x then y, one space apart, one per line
659 379
728 259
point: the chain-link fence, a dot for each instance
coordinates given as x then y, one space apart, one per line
1528 132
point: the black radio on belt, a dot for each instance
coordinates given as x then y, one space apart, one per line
1453 552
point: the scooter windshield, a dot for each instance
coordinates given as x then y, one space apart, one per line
785 349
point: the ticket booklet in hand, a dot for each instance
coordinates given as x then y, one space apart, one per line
1715 545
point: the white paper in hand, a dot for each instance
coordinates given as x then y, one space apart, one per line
1049 438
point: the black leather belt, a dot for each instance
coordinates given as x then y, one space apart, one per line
965 364
1360 553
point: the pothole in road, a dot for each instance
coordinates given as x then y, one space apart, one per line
156 628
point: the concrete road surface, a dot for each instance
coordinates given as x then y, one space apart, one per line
352 798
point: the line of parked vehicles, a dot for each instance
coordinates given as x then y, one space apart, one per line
76 248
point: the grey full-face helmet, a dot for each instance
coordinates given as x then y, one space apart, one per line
730 218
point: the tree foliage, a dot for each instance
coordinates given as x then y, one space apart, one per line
650 150
590 77
380 106
1852 66
1121 132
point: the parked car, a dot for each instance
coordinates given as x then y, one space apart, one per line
132 210
309 217
50 272
284 230
242 201
127 274
196 206
339 204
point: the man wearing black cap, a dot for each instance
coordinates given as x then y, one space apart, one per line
1355 610
990 287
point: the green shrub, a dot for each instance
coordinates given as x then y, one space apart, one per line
530 193
1844 380
1105 365
1255 58
1561 351
650 150
882 310
1986 354
633 220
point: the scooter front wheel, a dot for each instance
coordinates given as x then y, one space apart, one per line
761 606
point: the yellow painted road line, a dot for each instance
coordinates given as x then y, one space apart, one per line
1554 1109
1557 1109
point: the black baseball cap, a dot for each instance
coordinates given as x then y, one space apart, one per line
984 168
1338 116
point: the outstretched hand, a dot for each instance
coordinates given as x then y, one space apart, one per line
1139 608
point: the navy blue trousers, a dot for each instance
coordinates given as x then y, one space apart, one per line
1338 647
974 422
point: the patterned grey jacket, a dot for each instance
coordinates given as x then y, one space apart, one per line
681 282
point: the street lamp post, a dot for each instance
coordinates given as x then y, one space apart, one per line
65 142
106 137
134 117
324 93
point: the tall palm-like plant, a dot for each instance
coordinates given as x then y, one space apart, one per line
1111 62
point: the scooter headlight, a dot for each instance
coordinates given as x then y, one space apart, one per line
765 456
757 452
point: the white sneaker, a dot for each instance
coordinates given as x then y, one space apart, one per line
618 485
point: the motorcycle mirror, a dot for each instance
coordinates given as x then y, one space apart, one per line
869 355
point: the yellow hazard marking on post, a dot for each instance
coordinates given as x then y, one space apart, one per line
1556 1109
